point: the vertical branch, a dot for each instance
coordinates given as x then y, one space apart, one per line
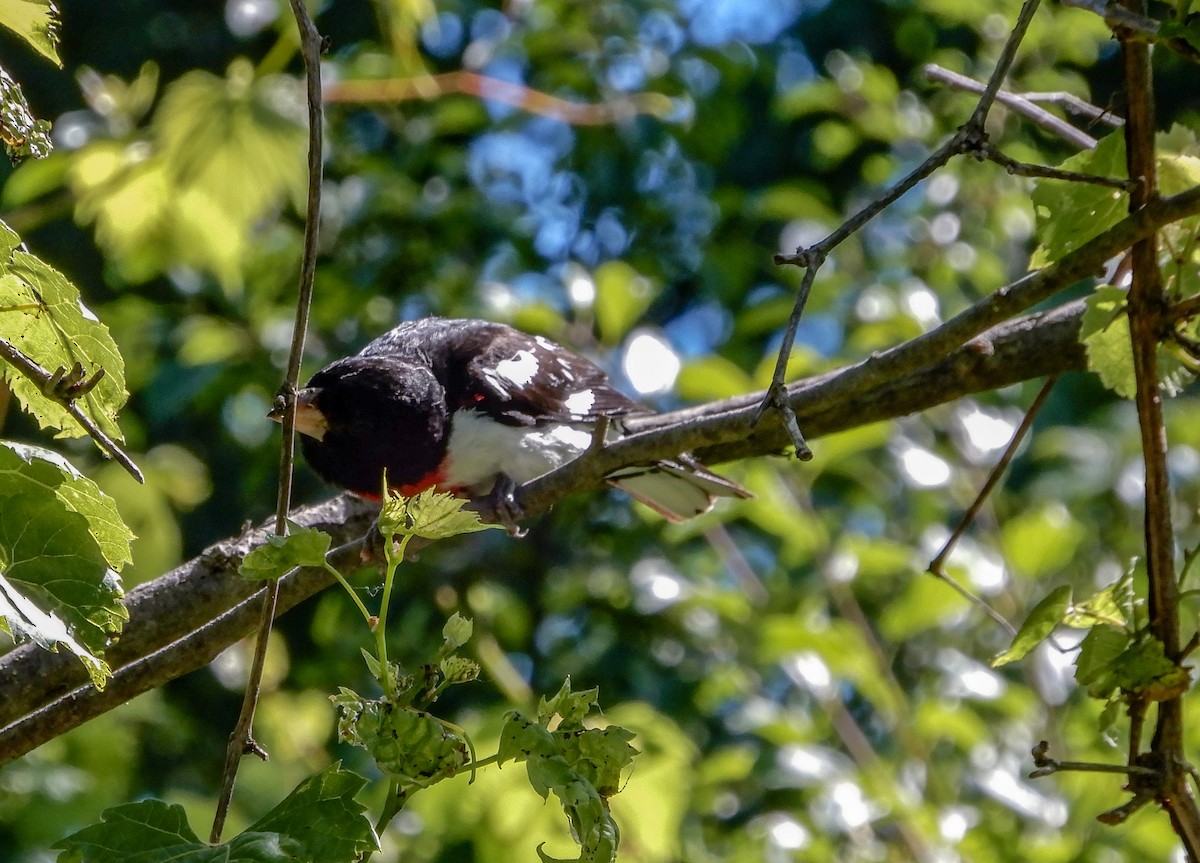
1147 308
241 740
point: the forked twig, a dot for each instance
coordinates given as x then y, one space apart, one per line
969 138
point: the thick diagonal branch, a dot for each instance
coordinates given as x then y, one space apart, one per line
181 620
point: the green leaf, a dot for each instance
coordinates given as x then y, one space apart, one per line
318 822
572 707
35 21
23 134
407 744
26 469
60 542
581 766
521 738
1104 332
622 297
1145 670
1094 667
41 314
146 831
1046 615
1109 606
323 818
429 514
303 546
1070 213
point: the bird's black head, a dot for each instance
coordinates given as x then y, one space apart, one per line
364 415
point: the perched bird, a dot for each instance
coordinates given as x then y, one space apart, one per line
474 407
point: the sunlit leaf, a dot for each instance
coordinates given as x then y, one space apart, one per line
41 314
302 546
1094 666
224 153
1069 213
35 21
1104 332
429 514
1042 620
57 535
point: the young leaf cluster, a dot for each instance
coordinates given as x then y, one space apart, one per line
583 767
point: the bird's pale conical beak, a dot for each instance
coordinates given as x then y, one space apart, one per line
309 419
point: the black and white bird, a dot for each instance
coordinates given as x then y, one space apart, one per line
465 405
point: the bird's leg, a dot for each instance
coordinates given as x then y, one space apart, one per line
500 505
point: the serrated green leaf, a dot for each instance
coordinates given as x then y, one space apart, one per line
622 297
1042 620
599 755
429 514
1069 213
1104 607
303 546
23 134
572 707
1094 667
581 767
322 817
30 469
1144 669
35 21
521 737
318 822
1104 332
42 315
57 587
149 830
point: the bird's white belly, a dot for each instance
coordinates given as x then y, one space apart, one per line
480 448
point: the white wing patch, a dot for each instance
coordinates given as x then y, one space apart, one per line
578 404
520 370
481 448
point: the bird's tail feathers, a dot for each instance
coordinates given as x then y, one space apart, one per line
678 489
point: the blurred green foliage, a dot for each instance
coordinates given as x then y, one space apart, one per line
799 688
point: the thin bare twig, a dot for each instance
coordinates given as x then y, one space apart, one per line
65 386
1046 765
1024 169
1023 103
997 471
241 740
968 139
